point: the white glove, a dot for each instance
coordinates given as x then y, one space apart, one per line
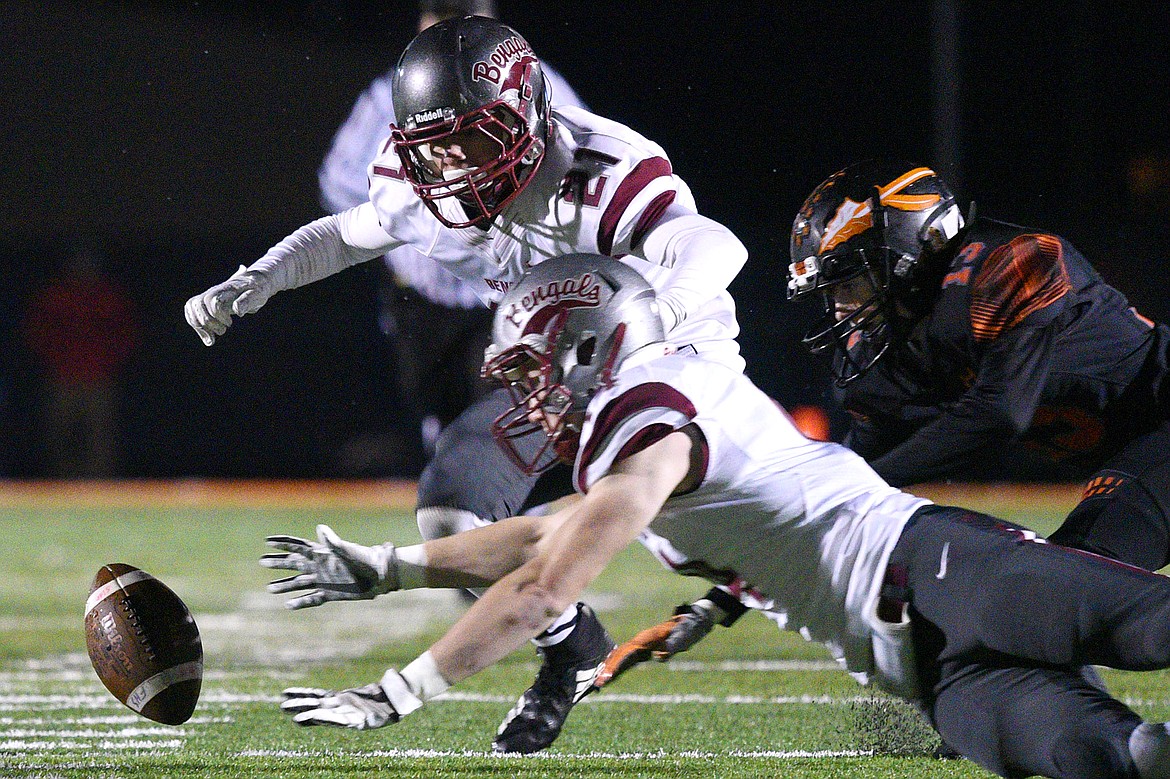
361 708
331 568
211 312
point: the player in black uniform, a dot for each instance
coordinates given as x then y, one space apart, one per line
952 337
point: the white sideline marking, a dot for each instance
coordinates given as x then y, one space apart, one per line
702 666
425 753
46 746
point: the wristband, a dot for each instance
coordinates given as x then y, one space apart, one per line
423 678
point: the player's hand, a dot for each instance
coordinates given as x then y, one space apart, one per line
210 313
361 708
663 641
330 568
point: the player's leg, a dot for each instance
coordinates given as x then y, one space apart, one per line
1125 510
992 587
470 481
457 374
1002 621
1034 721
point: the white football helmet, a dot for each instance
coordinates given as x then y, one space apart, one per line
559 335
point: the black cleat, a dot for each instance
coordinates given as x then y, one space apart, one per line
565 677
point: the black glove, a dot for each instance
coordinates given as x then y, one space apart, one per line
690 623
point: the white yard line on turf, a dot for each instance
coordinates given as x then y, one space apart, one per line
58 702
98 701
429 753
17 745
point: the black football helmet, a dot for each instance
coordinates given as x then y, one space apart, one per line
471 112
558 336
869 242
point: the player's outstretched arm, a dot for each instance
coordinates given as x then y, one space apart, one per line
332 569
523 603
313 252
210 313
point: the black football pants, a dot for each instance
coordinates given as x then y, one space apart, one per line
1002 622
1125 510
470 471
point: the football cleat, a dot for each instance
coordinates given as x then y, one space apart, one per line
565 677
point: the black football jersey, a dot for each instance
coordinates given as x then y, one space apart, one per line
1024 341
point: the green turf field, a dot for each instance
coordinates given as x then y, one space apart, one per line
747 702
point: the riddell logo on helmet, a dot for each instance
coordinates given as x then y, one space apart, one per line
503 60
422 117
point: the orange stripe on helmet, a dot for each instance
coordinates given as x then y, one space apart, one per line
890 192
911 202
903 181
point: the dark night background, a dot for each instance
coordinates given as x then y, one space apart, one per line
181 139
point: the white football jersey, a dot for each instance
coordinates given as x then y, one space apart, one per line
599 189
807 524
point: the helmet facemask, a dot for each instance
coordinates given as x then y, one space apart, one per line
550 377
472 118
504 155
856 333
540 404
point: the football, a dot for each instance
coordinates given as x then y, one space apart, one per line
144 644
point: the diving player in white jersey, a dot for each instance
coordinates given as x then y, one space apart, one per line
483 177
695 452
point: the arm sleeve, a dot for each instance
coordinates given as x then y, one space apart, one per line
702 258
868 439
321 248
998 406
